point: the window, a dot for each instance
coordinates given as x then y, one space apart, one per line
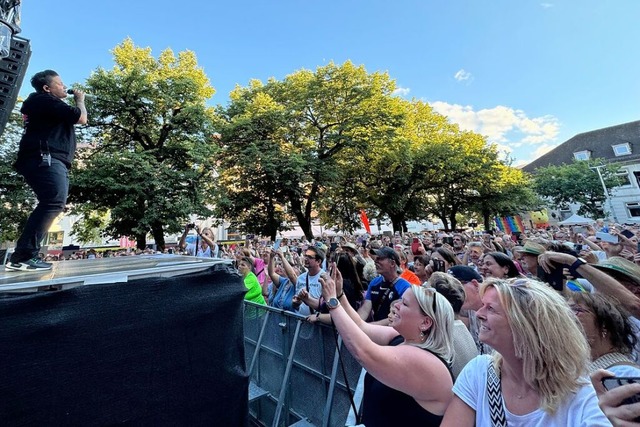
623 178
621 149
633 209
582 155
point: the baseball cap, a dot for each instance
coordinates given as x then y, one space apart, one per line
464 273
386 252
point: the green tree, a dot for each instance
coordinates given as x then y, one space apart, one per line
151 157
16 198
390 177
307 122
506 191
577 182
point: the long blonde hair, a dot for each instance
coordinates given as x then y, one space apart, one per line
546 336
440 335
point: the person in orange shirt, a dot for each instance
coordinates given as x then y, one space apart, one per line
407 274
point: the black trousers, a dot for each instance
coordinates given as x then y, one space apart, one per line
51 186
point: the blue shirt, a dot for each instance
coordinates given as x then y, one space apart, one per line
381 295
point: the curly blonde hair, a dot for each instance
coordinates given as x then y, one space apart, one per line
546 336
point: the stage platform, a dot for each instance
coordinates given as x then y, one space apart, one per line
69 274
155 340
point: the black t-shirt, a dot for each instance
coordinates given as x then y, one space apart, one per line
49 122
383 406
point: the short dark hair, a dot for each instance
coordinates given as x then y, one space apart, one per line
42 78
319 252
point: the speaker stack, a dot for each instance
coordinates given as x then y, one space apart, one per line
12 71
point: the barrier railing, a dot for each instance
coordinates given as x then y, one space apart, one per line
297 373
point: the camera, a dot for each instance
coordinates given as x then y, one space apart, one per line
438 265
191 226
45 161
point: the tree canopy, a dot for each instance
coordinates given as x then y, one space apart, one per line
150 156
577 182
16 199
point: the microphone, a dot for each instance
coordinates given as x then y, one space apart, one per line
86 95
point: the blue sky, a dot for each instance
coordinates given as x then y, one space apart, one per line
527 74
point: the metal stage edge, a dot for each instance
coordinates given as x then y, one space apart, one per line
69 274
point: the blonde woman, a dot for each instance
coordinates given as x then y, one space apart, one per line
536 376
408 379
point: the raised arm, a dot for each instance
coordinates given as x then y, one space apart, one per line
78 96
369 345
332 287
600 280
288 269
275 278
183 238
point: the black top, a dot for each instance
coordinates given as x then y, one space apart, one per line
384 406
48 122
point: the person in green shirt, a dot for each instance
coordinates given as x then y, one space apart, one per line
254 290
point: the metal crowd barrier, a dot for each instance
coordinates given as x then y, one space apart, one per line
297 374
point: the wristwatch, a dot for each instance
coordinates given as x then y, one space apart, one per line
579 262
333 303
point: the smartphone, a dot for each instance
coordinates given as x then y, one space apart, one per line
578 248
610 383
627 233
276 245
555 279
438 265
333 247
448 240
638 249
415 244
580 230
606 237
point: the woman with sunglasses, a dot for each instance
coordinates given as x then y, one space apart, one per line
537 374
408 379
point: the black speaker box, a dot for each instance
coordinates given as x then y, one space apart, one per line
12 71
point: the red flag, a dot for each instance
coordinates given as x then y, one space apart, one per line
365 221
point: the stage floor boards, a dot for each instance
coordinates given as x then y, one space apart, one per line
66 274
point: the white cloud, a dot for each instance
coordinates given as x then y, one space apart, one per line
502 124
401 91
511 130
462 75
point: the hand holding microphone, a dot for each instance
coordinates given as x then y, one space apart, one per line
77 94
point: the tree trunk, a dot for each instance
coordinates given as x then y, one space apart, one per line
304 218
396 221
486 218
141 241
445 222
158 235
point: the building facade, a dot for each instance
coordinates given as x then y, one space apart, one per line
619 145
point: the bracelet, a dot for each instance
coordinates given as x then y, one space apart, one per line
317 314
341 295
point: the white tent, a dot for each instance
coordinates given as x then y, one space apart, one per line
576 219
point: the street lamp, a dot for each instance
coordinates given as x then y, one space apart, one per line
606 193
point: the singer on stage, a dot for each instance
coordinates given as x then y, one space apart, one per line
46 152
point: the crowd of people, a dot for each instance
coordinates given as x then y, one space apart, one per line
478 318
495 329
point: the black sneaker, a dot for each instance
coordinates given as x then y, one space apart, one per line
34 264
